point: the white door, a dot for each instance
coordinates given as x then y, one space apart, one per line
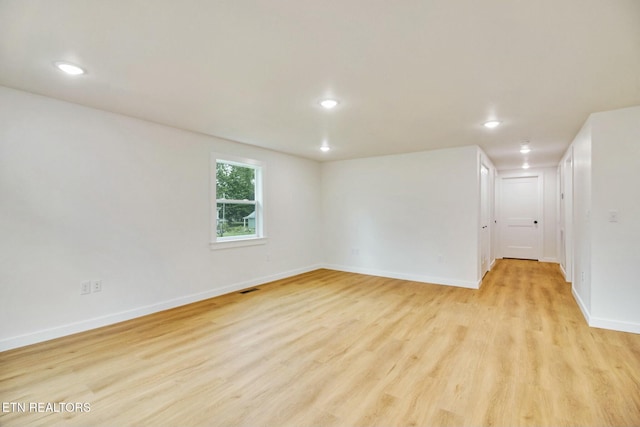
520 217
485 243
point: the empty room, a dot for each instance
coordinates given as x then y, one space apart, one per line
294 213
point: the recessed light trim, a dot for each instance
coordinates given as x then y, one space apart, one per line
325 148
329 103
69 68
525 165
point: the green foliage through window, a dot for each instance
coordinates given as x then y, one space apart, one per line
235 182
236 203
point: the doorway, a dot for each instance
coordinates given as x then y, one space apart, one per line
521 217
485 218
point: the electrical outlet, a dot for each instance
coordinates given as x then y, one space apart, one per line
85 288
96 286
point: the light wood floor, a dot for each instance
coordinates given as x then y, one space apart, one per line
340 349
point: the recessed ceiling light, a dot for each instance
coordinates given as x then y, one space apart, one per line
69 68
525 165
525 149
325 148
491 124
328 103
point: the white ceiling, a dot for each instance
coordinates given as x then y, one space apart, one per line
411 75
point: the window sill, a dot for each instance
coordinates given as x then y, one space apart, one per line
238 243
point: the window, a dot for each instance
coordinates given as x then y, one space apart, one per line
238 218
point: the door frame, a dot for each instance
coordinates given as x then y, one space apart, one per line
565 216
487 204
540 206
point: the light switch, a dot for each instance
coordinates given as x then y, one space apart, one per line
613 216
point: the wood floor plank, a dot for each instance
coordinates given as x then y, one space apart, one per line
328 348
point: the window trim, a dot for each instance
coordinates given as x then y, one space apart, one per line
238 241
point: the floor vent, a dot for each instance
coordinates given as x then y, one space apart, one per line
246 291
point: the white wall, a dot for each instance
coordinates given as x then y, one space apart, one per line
582 218
86 194
615 248
607 254
412 216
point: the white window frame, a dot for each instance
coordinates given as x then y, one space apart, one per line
259 238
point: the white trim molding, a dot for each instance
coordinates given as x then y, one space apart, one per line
615 325
598 322
583 308
259 205
238 243
110 319
403 276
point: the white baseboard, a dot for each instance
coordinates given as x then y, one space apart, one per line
97 322
598 322
564 273
403 276
616 325
583 308
110 319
